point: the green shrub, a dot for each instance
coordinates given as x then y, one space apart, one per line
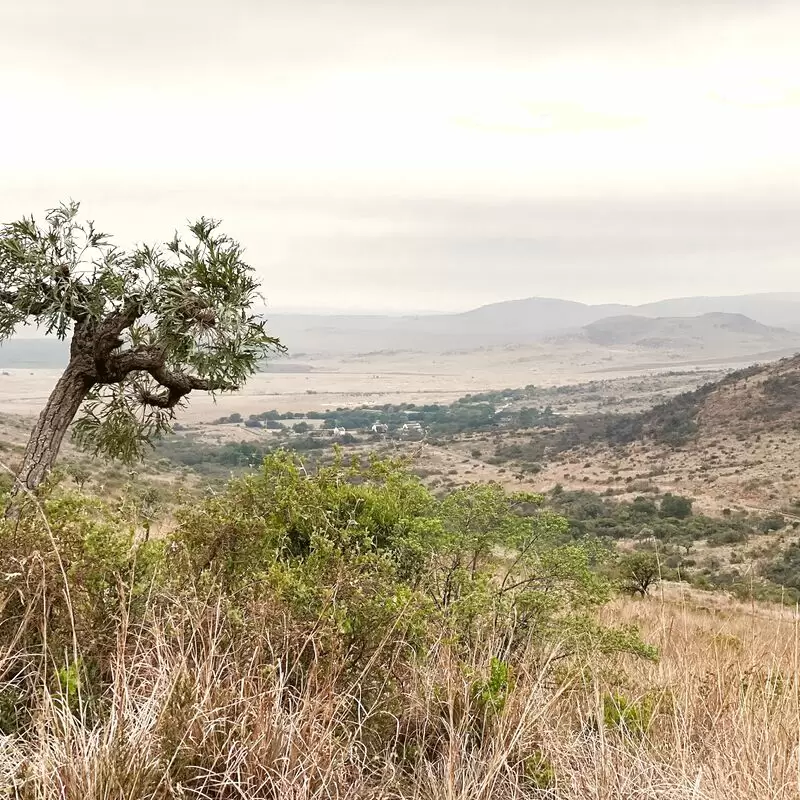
676 506
626 715
355 566
538 771
489 693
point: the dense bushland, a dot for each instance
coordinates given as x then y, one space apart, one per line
177 667
342 632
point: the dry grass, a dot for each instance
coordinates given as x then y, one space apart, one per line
191 713
730 723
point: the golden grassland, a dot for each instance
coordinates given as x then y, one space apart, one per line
717 717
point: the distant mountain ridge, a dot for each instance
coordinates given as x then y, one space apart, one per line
512 322
780 310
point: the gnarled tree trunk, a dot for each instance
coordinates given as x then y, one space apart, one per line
51 427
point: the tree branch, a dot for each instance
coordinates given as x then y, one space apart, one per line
107 337
33 310
118 321
177 386
115 368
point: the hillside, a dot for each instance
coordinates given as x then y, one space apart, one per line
630 690
732 443
761 400
524 677
746 403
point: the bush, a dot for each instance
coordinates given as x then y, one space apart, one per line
784 570
773 522
626 715
68 568
676 506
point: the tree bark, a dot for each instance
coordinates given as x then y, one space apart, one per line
51 427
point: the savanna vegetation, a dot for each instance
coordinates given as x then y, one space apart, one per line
295 632
342 632
330 626
736 551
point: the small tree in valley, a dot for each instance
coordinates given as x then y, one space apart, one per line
146 328
639 572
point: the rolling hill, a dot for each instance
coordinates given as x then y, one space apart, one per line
733 443
531 320
706 331
745 404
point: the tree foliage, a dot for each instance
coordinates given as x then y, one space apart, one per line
639 572
677 506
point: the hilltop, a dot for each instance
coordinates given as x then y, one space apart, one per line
703 332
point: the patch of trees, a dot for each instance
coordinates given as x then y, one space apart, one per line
785 569
501 396
236 418
221 459
668 520
437 419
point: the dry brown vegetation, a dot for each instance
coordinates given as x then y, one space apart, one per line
716 718
743 454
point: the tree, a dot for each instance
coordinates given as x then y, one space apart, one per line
639 571
79 474
146 328
686 542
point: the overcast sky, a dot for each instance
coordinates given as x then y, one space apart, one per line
423 154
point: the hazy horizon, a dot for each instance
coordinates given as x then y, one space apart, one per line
332 310
435 156
322 311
